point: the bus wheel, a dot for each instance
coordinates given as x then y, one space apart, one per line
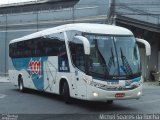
20 85
66 93
110 101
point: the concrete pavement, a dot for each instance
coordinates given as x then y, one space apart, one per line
33 102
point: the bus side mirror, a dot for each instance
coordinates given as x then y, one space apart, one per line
86 44
147 46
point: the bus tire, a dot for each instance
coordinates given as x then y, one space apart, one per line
21 85
110 101
66 93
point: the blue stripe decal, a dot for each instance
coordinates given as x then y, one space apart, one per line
34 68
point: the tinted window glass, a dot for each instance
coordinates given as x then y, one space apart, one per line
77 53
48 46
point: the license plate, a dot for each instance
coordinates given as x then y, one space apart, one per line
119 95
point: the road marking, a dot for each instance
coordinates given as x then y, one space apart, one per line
152 101
2 96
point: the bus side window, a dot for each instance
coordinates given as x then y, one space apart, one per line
63 52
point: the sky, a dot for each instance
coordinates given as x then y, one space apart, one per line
13 1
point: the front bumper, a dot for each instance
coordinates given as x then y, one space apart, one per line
96 94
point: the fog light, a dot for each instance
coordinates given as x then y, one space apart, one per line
95 94
139 93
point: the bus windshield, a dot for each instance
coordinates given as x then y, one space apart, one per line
113 57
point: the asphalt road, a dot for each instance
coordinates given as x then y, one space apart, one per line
48 106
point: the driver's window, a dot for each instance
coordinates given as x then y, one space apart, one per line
77 53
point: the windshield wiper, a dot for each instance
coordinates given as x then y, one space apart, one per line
128 69
111 60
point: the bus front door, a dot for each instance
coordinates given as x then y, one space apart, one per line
80 84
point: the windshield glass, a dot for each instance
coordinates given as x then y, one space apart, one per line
113 57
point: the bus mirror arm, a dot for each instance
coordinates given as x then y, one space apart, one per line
147 45
85 43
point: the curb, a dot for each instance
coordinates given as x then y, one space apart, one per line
156 82
149 84
4 80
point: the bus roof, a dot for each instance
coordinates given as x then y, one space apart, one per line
83 27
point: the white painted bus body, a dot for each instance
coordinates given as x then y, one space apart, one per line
81 85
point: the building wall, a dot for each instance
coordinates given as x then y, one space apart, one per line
143 10
154 58
144 65
159 60
149 63
19 24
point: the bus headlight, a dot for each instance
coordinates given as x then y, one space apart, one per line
139 94
95 94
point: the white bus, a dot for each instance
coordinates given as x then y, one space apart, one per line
93 62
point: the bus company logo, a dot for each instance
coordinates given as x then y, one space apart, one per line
35 67
63 66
